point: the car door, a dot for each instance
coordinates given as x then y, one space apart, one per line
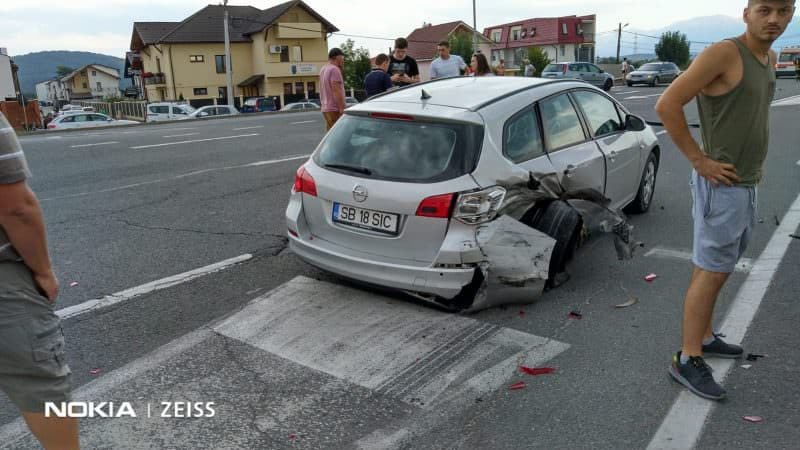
596 75
82 121
523 143
99 120
620 148
575 157
67 122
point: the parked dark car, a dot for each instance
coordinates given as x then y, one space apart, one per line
653 73
258 104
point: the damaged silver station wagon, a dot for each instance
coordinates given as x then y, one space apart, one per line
471 192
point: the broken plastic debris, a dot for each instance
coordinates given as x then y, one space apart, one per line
747 366
631 302
73 284
517 386
292 437
650 278
754 356
777 221
753 419
95 371
537 371
521 313
575 315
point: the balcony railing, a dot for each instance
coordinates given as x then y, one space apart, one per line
155 79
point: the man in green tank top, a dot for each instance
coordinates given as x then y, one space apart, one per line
734 84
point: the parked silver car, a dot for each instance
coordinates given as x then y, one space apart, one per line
653 74
580 71
405 189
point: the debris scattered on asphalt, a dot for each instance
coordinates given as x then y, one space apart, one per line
292 437
632 301
777 221
760 220
662 208
521 313
650 278
73 284
754 356
575 315
747 366
95 371
478 400
794 236
753 419
536 371
518 386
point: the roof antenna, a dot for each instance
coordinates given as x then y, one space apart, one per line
425 95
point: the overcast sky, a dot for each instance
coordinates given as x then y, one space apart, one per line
104 26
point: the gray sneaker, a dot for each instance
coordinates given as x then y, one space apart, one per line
722 349
696 376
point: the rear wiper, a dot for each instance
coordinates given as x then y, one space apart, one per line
357 169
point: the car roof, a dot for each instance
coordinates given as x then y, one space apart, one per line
469 93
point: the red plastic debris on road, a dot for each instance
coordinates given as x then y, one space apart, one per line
537 371
575 315
753 419
95 371
521 313
517 386
650 278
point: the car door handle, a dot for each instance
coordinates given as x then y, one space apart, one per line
569 171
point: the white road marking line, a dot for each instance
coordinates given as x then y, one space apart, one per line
661 132
305 121
177 177
626 93
248 128
744 264
147 288
793 100
307 322
177 129
684 424
179 135
139 147
93 145
639 97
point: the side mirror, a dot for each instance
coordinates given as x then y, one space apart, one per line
602 71
634 123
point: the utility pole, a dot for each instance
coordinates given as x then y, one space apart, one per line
228 69
619 38
474 29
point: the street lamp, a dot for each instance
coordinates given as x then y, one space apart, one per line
619 38
228 74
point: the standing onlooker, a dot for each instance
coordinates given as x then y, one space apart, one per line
446 65
626 68
797 67
529 69
378 80
500 70
480 66
733 82
33 369
331 87
403 68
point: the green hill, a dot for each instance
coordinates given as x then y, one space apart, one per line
40 66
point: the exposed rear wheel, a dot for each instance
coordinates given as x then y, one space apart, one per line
647 186
608 85
561 222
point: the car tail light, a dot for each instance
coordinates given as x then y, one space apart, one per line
304 182
51 126
479 207
436 206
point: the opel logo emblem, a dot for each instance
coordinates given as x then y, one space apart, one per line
360 193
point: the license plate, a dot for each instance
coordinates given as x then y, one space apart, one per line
366 219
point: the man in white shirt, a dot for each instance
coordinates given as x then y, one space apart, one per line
446 65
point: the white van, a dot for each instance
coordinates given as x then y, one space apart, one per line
158 112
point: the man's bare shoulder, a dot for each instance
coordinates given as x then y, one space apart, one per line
720 51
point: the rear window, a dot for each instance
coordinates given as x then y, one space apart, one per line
553 68
651 67
788 57
417 152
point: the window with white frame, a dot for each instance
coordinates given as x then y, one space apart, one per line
563 50
497 35
515 32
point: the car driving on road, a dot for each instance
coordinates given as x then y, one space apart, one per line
397 192
653 74
580 71
85 120
213 111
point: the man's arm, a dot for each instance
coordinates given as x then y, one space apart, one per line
710 65
21 218
338 93
434 71
414 72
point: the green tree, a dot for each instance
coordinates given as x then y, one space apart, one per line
356 65
63 70
673 47
461 45
538 57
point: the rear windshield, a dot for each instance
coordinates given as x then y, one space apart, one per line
788 57
553 68
417 152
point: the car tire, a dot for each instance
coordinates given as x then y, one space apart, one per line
647 187
630 84
608 85
561 222
655 82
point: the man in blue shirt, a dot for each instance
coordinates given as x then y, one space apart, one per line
378 80
446 65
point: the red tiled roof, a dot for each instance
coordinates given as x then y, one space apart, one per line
422 41
547 32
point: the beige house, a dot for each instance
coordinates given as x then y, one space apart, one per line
92 81
277 52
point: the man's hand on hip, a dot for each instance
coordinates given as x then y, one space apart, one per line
716 172
48 285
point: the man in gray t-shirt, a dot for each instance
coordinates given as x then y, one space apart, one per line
33 368
446 65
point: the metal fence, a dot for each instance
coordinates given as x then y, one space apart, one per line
129 110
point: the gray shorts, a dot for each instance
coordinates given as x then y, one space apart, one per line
724 218
33 369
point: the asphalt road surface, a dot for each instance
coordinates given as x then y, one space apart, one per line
177 232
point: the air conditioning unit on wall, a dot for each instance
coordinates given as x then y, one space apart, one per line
274 48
